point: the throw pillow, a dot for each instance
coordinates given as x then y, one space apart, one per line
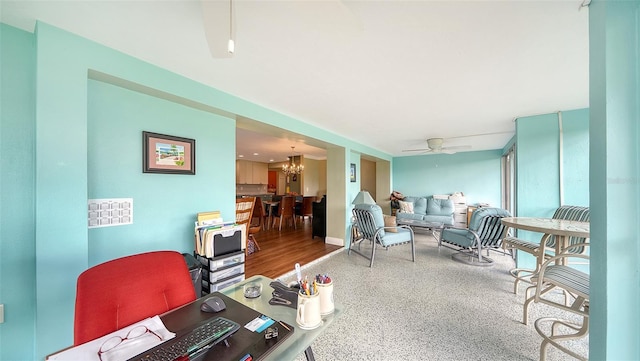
406 207
390 221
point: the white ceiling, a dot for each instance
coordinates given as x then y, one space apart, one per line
387 74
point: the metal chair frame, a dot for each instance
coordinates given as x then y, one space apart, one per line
542 249
488 236
368 230
554 274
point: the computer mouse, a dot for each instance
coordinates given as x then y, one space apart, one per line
213 304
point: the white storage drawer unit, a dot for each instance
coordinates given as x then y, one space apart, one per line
214 287
222 271
215 263
215 276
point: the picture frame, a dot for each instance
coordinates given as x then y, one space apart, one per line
168 154
352 173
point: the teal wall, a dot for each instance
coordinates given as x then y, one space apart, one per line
60 248
17 196
538 183
614 82
476 174
69 103
164 204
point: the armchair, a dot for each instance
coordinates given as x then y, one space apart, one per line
370 222
485 232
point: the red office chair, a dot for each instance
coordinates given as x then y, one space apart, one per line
123 291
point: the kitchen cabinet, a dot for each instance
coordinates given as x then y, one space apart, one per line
260 173
248 172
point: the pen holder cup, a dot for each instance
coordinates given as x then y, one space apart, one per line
325 290
308 311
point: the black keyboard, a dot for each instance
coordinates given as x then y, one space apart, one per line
193 344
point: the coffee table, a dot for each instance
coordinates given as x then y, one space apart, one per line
431 226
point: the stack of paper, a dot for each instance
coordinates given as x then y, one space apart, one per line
123 351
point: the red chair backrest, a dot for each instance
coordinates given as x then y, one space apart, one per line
123 291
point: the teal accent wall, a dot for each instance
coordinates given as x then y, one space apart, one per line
576 157
44 183
17 196
476 174
165 205
538 183
614 82
72 103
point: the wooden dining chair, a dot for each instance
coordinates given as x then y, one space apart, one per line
244 213
285 210
255 225
306 209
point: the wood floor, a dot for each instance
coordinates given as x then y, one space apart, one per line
281 250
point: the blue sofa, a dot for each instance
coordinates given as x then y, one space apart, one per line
429 209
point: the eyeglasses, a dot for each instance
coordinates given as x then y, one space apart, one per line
115 341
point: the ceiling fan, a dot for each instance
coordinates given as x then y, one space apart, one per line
436 145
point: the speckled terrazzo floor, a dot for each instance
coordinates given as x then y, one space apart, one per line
433 309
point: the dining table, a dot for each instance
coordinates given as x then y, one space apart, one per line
562 229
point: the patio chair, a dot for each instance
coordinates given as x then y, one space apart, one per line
370 222
544 249
556 275
485 232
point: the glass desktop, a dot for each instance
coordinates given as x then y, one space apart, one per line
301 339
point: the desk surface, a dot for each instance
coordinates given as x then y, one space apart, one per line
558 227
301 339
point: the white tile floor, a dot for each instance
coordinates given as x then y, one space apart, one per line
433 309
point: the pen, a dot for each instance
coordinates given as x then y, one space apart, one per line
298 274
283 325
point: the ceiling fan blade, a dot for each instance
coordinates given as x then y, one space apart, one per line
216 21
417 150
219 19
457 147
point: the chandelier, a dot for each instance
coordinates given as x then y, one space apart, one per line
292 168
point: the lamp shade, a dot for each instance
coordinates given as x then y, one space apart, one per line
363 197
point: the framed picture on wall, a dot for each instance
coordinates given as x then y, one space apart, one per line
168 154
352 173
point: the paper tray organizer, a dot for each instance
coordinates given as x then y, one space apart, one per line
218 241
